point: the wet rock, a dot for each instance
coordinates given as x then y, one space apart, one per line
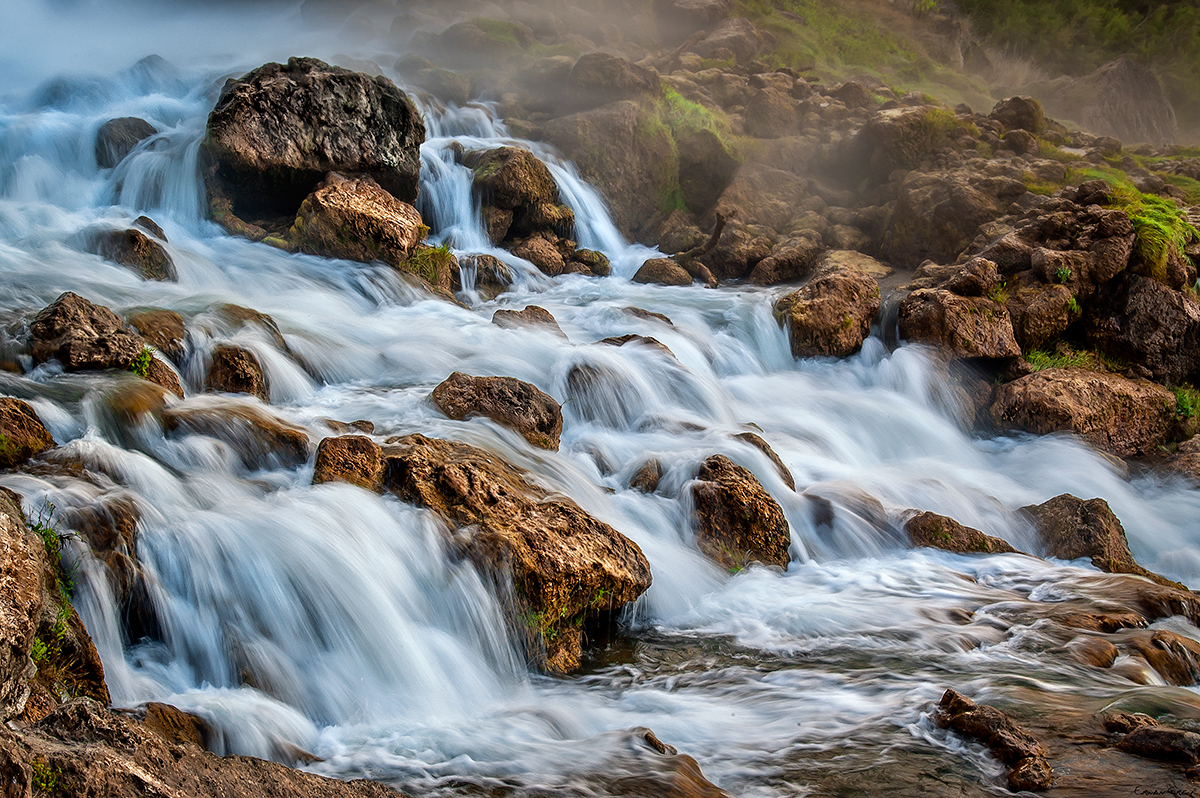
649 767
1122 416
136 251
649 315
758 443
1071 528
116 138
1125 722
741 248
492 275
624 150
1094 651
1163 743
647 477
600 78
22 434
939 532
355 219
162 329
596 262
791 259
964 326
1007 741
82 336
505 400
1020 113
85 745
510 178
278 131
662 271
236 317
355 459
236 370
260 439
643 340
737 521
563 565
20 605
831 315
532 316
1176 658
541 253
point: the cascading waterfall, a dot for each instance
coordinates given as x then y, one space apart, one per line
332 620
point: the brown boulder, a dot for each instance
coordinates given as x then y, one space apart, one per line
761 195
662 271
116 138
563 565
354 459
964 326
940 532
162 329
1176 658
22 434
136 251
738 36
236 370
278 131
259 439
1122 416
1006 741
832 315
741 248
647 477
772 114
355 219
541 253
705 168
81 335
737 521
531 316
1040 312
977 277
505 400
1070 528
600 78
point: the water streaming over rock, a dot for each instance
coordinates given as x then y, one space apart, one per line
335 621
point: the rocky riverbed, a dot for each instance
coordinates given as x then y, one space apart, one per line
580 401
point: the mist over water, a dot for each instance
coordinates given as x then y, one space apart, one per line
333 620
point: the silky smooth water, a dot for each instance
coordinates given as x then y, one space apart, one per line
334 620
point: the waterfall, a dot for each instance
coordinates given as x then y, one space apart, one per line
329 619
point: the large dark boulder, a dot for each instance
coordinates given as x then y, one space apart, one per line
276 132
935 217
116 138
1154 328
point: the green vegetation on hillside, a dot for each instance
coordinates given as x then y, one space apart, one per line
1078 36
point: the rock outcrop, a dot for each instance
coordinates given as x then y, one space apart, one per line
505 400
1008 742
20 605
279 130
82 336
963 326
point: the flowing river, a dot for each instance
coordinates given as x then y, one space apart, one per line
376 651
